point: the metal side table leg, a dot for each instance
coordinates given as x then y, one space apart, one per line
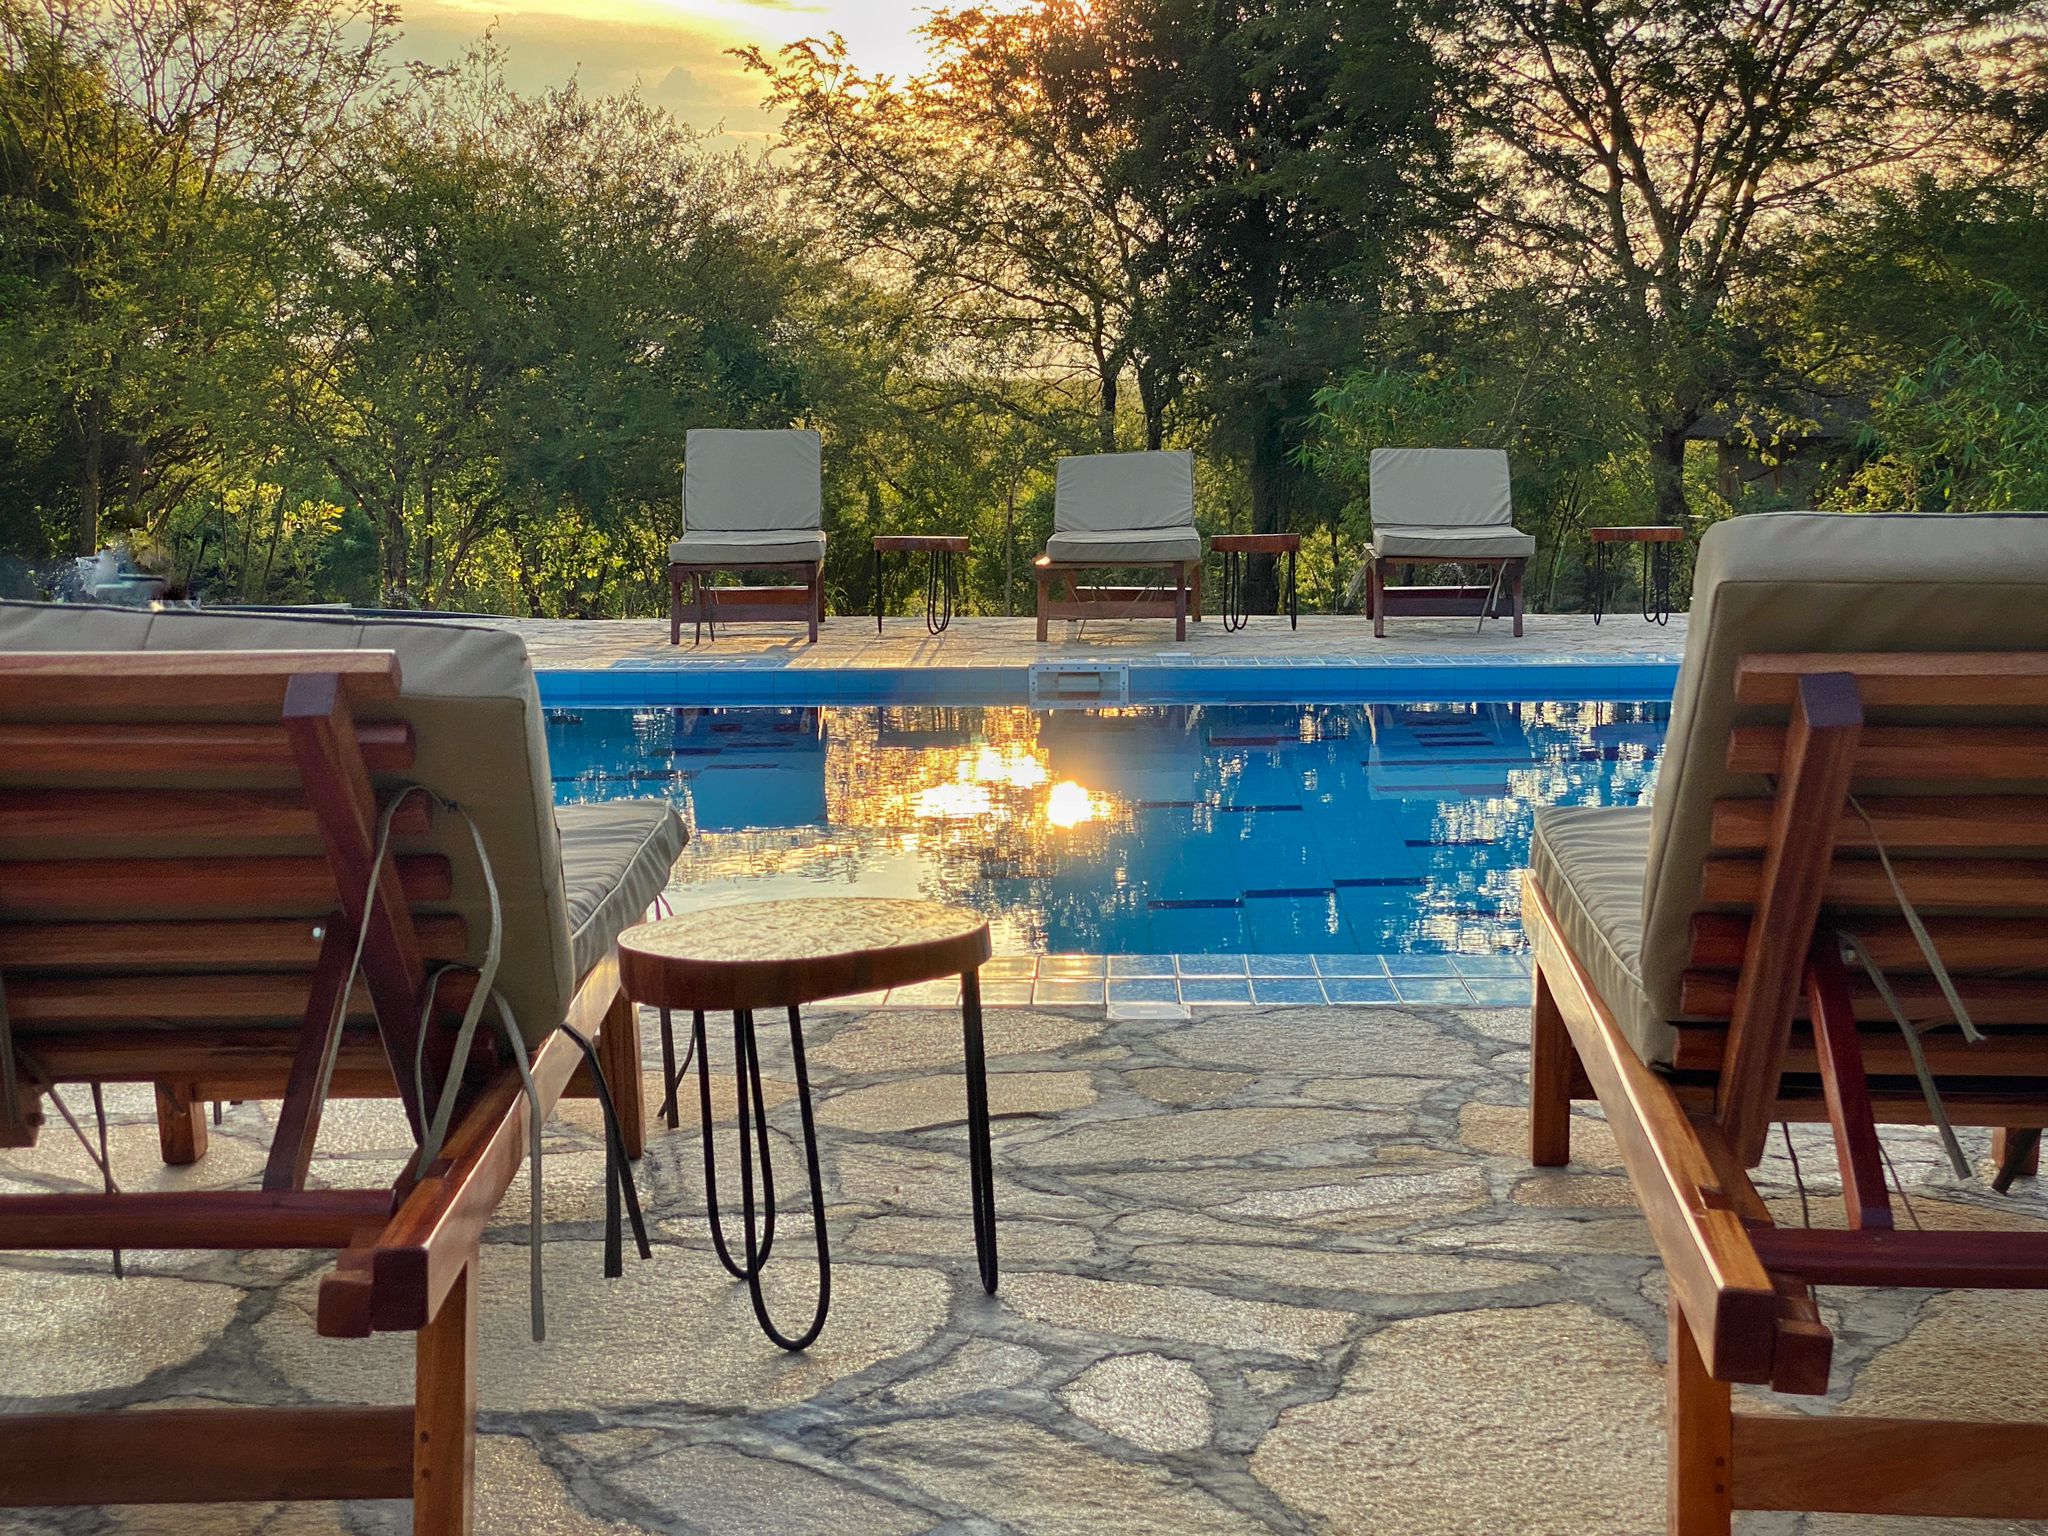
981 1160
741 1036
671 1112
757 1263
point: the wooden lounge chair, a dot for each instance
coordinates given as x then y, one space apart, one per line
1444 505
191 809
1122 511
752 501
1850 685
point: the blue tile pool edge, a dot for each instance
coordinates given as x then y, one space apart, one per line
1329 680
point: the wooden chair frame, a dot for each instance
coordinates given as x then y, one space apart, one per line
1383 601
1098 602
705 604
407 1254
1741 1303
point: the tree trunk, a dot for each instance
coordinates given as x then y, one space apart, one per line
1667 472
1272 487
1105 426
1010 543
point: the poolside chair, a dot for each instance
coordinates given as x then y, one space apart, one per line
1861 722
752 501
1443 505
193 814
1123 511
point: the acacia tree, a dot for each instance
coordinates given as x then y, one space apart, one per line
994 188
1665 157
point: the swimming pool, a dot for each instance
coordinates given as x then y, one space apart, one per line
1284 831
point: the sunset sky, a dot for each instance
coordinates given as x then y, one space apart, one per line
675 49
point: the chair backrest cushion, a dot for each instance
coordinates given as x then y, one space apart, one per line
1441 488
739 481
1816 582
469 693
1111 492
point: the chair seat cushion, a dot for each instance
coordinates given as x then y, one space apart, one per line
769 546
1399 542
1126 546
616 859
1589 862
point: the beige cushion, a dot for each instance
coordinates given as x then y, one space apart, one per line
1134 546
470 696
1588 861
774 546
616 859
742 482
1816 581
1399 543
1117 492
1440 488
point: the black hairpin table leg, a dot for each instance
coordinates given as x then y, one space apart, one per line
941 591
758 1261
980 1158
1234 615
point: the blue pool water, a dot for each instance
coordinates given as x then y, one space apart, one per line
1339 829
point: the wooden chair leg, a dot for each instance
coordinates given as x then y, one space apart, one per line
815 600
618 1052
180 1123
1700 1429
675 606
1376 597
1195 594
444 1416
1519 568
1552 1059
2017 1154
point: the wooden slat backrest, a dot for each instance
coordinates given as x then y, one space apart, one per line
1939 760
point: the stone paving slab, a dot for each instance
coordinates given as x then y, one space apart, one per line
1265 1270
850 642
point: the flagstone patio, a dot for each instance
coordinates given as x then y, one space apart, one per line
1265 1270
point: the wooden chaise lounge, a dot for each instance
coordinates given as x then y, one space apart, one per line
753 501
1850 685
190 815
1122 511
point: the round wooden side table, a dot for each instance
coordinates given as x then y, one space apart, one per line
942 552
1233 547
1658 542
783 954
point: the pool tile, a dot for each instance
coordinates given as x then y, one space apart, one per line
1141 965
1360 989
1067 991
1352 965
1147 990
1071 967
1490 966
1499 994
1166 1011
1210 965
1281 965
1287 989
1445 993
1006 994
1203 991
1422 965
1009 968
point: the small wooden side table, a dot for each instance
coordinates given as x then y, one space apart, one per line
1659 543
1233 547
941 579
783 954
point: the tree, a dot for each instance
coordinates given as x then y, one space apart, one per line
141 142
1297 155
1665 157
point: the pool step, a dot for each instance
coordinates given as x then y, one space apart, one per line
1079 684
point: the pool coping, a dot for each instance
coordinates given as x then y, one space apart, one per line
1167 678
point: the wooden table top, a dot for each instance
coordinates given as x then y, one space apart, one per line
766 954
920 543
1641 533
1255 543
